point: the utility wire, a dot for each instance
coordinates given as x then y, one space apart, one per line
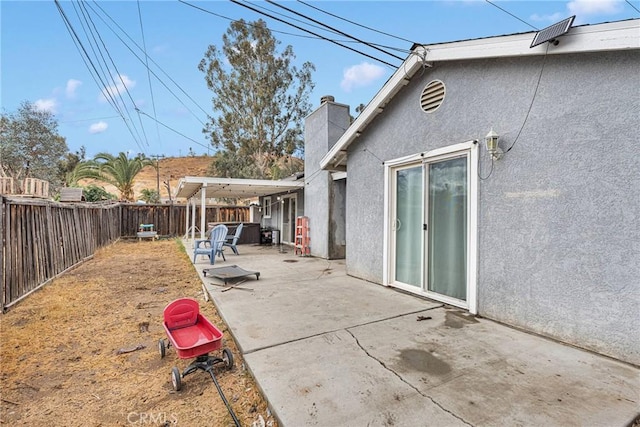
86 58
113 93
511 14
173 130
311 32
104 46
288 33
235 20
631 4
533 98
146 64
335 30
154 62
355 23
293 19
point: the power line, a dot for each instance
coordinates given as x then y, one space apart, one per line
631 4
511 14
173 130
86 58
355 23
311 32
146 56
154 62
236 20
114 93
285 32
124 85
335 30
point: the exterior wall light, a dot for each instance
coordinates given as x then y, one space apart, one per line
492 145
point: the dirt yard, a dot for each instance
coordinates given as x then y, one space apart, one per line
59 348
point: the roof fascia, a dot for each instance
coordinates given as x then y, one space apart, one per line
621 35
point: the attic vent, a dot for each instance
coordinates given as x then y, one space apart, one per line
432 96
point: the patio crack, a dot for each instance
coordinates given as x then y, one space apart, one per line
384 365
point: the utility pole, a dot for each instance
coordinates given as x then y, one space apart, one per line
157 158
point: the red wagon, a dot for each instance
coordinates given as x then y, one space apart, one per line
192 335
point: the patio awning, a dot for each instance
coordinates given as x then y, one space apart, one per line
191 186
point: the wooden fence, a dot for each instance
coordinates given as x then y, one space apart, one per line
170 220
42 239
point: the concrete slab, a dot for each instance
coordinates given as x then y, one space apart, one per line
490 374
329 381
314 301
331 350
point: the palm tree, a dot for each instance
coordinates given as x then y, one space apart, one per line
119 171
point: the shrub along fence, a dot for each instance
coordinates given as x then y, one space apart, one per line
43 239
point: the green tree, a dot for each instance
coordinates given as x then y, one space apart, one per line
259 101
94 193
67 167
119 171
30 146
149 195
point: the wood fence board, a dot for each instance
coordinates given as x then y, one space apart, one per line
41 239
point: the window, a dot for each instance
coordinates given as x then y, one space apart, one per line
267 207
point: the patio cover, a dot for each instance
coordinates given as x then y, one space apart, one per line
192 187
234 188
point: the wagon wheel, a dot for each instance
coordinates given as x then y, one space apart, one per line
162 349
227 358
176 379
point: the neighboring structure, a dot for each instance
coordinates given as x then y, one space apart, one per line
278 211
543 237
197 190
71 194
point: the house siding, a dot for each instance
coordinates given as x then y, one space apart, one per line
559 242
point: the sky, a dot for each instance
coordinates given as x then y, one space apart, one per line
152 50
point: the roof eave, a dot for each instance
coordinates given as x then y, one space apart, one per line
612 36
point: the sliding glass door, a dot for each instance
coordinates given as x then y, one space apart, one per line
430 231
408 225
447 228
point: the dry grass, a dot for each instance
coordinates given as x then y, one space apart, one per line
59 346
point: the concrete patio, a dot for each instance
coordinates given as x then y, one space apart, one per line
328 349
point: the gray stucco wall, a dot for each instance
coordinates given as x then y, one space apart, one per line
323 128
559 241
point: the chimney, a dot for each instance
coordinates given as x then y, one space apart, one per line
327 98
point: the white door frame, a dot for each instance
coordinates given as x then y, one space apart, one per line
470 149
293 196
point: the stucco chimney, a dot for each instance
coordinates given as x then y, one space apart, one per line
327 98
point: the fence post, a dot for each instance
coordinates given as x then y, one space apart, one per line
3 280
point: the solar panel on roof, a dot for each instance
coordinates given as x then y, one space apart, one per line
550 33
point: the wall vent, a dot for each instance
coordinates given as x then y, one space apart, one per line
432 96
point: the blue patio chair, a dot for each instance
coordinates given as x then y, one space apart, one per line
232 239
212 246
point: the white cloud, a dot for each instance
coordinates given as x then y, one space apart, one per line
594 7
554 17
360 75
72 85
118 88
160 49
49 105
98 127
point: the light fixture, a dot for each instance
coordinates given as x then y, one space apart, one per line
492 144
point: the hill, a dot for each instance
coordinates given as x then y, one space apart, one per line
171 169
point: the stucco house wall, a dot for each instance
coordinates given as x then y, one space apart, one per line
559 242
